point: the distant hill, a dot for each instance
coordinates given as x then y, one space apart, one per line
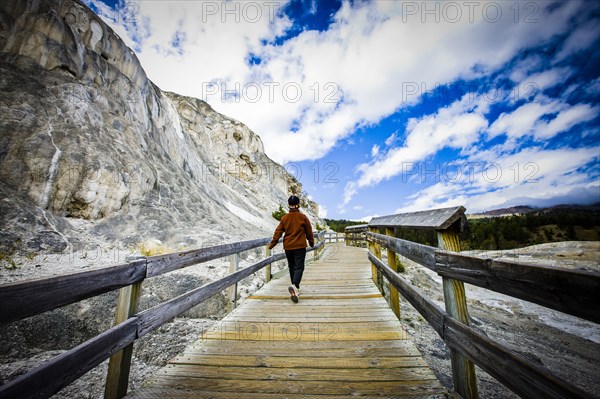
525 209
521 226
513 210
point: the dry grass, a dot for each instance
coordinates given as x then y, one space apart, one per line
152 248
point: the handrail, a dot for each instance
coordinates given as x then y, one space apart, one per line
574 292
49 378
31 297
161 264
510 368
568 291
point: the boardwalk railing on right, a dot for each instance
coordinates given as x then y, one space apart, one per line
572 292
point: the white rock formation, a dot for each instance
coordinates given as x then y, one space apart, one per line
87 137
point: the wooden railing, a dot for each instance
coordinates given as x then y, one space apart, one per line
334 237
28 298
572 292
356 235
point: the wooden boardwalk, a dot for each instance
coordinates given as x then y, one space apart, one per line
342 339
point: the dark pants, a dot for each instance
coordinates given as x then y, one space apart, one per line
295 258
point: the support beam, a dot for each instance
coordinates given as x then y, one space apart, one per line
268 274
394 298
463 370
117 379
234 261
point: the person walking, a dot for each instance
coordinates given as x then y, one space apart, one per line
298 230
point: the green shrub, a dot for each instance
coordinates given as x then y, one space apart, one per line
400 265
278 214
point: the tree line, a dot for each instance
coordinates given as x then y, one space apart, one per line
508 232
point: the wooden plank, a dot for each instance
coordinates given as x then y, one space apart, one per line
422 254
296 334
314 297
172 393
50 377
161 264
155 317
272 346
275 348
434 219
260 330
28 298
308 318
350 388
455 300
570 291
353 348
348 362
301 373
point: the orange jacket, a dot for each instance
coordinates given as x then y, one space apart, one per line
297 230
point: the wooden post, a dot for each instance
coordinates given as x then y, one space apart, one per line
234 261
321 248
463 370
117 378
394 298
371 246
268 268
376 250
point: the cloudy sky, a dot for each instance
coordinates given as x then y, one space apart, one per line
390 106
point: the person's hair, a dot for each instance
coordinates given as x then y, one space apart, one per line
294 202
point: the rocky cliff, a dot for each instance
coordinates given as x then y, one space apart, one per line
91 149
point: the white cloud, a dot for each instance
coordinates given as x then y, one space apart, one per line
528 119
373 57
580 39
390 140
525 67
567 119
594 86
375 150
546 79
522 121
456 126
531 176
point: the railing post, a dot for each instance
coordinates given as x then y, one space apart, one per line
117 378
375 250
268 267
234 261
463 370
320 249
394 298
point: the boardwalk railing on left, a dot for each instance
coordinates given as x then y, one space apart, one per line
28 298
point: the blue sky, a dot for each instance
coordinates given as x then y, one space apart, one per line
390 106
